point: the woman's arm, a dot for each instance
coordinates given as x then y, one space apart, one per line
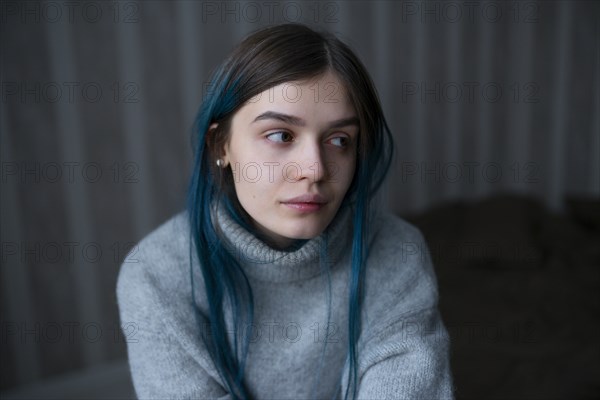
167 356
408 360
162 369
404 347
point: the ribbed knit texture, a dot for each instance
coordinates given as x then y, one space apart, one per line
267 264
403 349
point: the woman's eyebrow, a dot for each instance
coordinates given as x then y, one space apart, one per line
289 119
340 123
292 120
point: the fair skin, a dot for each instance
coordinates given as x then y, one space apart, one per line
292 151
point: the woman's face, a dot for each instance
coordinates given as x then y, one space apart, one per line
292 151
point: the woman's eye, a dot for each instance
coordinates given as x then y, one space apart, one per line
340 141
280 137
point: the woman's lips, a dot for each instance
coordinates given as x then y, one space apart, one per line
305 206
307 198
309 202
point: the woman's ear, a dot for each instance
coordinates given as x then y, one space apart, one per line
217 148
211 131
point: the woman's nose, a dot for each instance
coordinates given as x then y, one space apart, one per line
312 162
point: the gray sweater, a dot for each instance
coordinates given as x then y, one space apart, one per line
294 352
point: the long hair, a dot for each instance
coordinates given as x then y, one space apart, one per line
269 57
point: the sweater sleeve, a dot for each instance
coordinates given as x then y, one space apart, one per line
404 346
167 359
410 363
162 369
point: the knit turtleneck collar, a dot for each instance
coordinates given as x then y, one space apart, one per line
264 263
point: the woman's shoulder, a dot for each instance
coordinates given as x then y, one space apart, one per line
168 240
395 227
159 261
399 242
400 279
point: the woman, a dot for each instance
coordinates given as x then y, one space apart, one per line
280 281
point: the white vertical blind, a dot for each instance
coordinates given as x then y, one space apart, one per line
78 227
135 117
17 300
190 39
485 48
561 107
